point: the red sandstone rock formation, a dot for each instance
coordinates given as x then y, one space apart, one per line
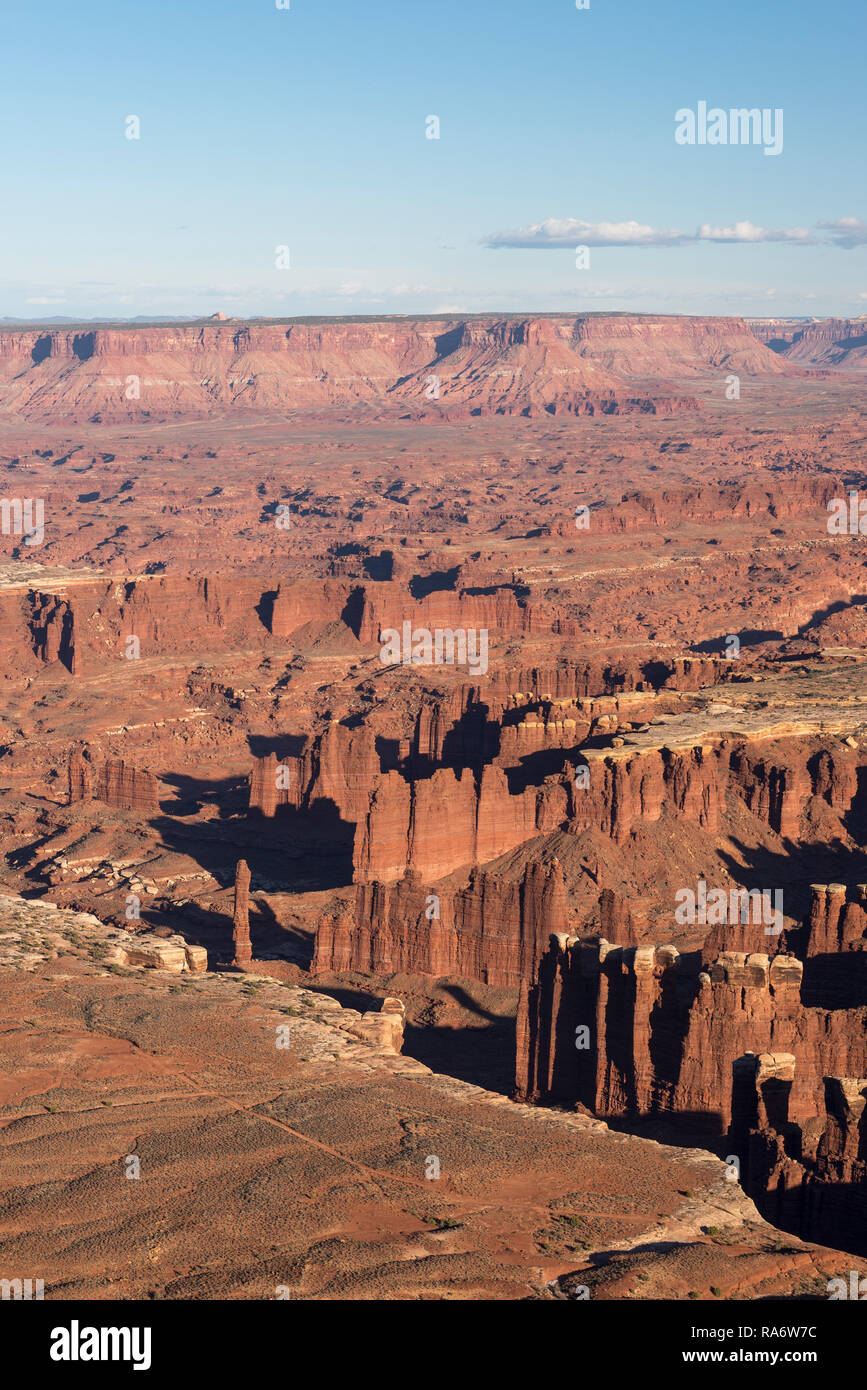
127 788
809 1173
841 1152
51 624
836 946
664 1041
658 507
834 343
619 922
264 793
435 825
836 925
768 1051
509 366
80 777
243 950
432 826
493 930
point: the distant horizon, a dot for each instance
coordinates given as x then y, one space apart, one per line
158 320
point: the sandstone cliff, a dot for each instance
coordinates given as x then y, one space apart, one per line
840 343
480 365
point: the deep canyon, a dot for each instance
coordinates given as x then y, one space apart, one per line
558 859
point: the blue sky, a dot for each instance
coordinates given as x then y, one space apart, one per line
306 128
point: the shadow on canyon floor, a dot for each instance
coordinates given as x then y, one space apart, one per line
480 1050
294 851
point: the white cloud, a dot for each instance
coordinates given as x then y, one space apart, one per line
747 231
566 232
847 232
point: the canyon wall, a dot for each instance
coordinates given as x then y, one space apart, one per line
835 343
86 621
481 365
117 784
412 819
493 930
729 1046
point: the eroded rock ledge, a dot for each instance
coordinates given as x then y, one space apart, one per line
528 1199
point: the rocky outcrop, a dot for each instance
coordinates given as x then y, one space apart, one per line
735 501
739 1048
88 624
265 795
841 1153
432 826
836 946
493 930
50 624
127 788
118 784
383 1029
620 922
827 343
775 793
429 821
808 1174
662 1038
172 953
79 777
243 950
